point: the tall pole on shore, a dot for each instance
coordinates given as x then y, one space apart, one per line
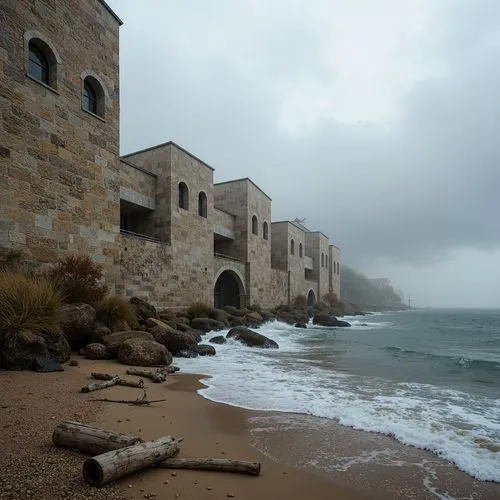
409 302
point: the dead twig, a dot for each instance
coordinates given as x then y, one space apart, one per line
142 401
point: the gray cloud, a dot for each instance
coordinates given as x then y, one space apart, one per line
410 191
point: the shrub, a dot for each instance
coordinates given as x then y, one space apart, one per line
199 309
79 279
10 259
300 301
28 303
332 300
113 309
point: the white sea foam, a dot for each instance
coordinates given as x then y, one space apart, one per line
451 423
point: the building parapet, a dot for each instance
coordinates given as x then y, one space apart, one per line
224 223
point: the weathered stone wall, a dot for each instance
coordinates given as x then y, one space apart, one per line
296 261
137 185
59 167
280 246
278 288
334 270
317 247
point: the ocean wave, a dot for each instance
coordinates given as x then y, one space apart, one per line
463 361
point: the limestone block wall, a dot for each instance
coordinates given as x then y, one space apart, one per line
137 185
280 247
317 247
59 168
296 261
278 288
334 270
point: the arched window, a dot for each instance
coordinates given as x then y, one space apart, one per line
292 247
183 196
334 267
300 249
202 204
38 64
338 268
255 225
89 98
265 231
322 260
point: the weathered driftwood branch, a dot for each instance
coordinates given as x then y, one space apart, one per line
112 465
121 381
100 385
154 375
89 439
139 401
217 464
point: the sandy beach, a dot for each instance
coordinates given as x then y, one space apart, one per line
31 404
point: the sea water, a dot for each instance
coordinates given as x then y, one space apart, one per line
428 378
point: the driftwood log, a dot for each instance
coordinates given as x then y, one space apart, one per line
116 464
139 401
217 464
121 381
154 375
96 386
89 439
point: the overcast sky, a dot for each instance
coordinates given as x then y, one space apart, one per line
377 121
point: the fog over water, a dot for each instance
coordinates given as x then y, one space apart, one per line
376 121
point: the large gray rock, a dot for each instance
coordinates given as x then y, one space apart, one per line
174 340
78 324
234 311
25 349
219 339
323 319
206 350
96 351
113 341
100 331
143 309
207 324
251 338
221 315
139 352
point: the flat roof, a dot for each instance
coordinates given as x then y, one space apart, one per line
133 165
168 143
248 180
111 11
298 226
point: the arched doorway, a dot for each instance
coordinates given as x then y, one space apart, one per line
311 298
228 290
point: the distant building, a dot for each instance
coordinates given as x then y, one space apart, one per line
154 219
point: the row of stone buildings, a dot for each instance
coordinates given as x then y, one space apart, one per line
154 218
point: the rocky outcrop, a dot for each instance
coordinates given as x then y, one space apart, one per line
251 338
78 324
143 309
300 325
254 317
96 351
207 324
113 341
174 340
219 339
206 350
234 311
237 321
221 315
140 352
27 350
323 319
100 331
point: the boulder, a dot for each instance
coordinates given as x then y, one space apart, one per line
300 325
113 341
96 351
323 319
221 315
219 339
100 331
251 338
207 324
237 321
173 340
140 352
78 324
254 317
234 311
206 350
186 353
143 309
119 325
28 349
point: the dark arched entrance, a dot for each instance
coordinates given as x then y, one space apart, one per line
228 290
311 298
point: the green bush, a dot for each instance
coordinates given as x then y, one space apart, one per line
114 309
79 279
28 303
300 301
199 309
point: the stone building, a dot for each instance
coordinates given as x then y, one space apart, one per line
154 218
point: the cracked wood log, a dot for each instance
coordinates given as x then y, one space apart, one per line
216 464
96 386
121 381
116 464
89 439
154 375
